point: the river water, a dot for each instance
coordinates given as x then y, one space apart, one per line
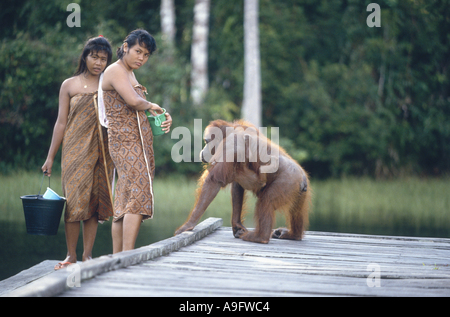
20 251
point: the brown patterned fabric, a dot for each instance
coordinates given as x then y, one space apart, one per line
83 174
134 193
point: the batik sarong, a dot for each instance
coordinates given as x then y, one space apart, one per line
131 148
84 180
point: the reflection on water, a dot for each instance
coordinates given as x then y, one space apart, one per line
20 251
393 228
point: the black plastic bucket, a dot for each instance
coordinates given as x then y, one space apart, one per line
42 216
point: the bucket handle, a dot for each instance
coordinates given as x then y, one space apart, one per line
157 118
157 121
43 175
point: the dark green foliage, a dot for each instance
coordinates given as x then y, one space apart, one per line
349 99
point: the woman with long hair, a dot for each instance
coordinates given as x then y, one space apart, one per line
86 166
130 138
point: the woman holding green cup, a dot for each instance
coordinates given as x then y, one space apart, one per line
130 138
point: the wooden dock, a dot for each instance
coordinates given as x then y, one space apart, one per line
209 261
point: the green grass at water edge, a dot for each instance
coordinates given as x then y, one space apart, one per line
360 203
22 183
363 202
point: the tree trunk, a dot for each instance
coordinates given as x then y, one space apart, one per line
251 106
168 30
168 22
199 52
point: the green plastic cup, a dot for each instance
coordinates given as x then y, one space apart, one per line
156 121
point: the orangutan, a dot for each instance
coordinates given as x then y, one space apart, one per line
238 154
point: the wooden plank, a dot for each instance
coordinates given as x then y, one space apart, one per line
219 283
310 247
319 267
321 264
27 276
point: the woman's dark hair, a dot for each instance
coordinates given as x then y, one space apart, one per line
140 36
96 44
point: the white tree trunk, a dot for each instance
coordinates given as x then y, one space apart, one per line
168 21
251 106
199 51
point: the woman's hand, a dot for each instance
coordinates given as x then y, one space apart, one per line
47 167
155 109
166 124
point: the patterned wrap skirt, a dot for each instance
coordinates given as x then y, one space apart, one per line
83 175
131 149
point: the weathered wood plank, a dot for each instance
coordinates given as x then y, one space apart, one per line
318 267
311 247
233 283
27 276
322 264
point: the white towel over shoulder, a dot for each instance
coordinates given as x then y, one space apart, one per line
101 104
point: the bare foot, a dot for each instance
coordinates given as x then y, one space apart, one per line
68 261
87 258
